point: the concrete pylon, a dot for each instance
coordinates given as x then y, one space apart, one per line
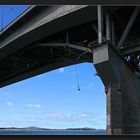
122 89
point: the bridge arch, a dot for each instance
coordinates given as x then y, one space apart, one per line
56 92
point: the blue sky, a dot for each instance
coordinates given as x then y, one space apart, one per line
10 12
52 100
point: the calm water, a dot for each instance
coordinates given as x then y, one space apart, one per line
53 132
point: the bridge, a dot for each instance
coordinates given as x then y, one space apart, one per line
45 38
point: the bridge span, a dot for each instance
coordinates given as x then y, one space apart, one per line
45 38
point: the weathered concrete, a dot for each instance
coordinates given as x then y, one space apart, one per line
122 89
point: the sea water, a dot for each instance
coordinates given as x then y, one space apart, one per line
53 132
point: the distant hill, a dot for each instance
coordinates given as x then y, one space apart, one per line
26 128
34 128
38 128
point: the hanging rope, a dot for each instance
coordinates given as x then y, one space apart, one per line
78 86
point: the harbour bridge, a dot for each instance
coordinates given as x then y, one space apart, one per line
45 38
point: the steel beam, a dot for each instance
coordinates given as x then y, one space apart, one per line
108 31
73 46
128 27
113 33
100 23
95 28
129 50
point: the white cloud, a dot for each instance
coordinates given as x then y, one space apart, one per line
55 114
34 105
57 119
9 103
61 116
84 115
61 70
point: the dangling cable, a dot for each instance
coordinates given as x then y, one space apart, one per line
78 86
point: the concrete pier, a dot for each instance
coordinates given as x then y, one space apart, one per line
122 89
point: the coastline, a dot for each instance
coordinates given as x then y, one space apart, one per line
36 128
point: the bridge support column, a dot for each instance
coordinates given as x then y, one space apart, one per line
122 89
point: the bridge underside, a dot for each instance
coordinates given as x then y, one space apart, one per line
45 55
44 47
64 35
